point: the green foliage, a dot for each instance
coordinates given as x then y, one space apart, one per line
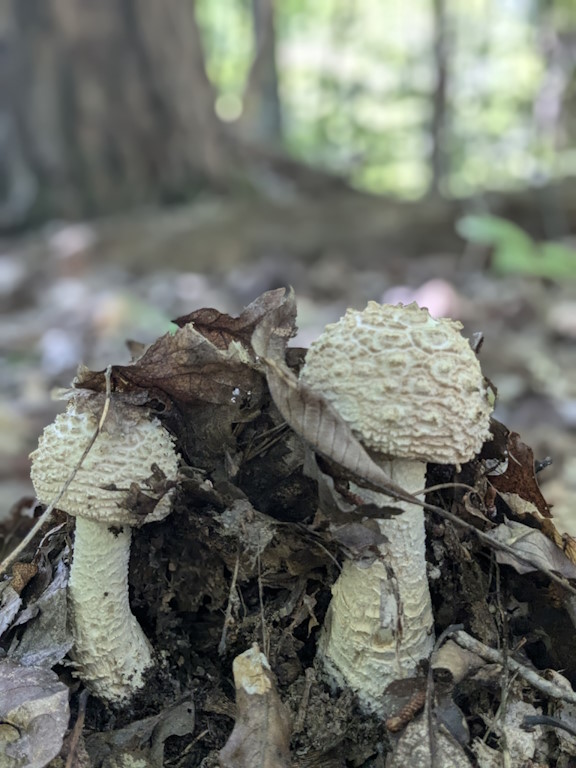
357 84
515 252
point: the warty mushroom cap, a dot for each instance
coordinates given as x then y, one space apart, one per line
408 384
124 453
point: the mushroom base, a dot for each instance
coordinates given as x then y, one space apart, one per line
111 652
380 623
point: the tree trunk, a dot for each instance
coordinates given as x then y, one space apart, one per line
439 120
103 105
261 119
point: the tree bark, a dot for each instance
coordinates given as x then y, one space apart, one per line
261 119
439 100
103 105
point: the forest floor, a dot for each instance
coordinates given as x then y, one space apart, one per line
66 300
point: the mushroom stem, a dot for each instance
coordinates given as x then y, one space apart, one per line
111 651
380 622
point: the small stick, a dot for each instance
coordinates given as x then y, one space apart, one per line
546 687
77 730
228 614
302 709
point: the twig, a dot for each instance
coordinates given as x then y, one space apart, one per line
265 638
546 687
77 730
301 716
530 721
228 614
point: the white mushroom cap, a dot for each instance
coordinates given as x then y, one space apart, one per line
408 384
124 452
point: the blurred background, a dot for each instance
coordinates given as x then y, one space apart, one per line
156 158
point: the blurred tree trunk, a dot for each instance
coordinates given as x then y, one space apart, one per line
439 122
103 105
261 119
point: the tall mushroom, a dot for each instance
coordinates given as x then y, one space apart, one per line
411 388
124 481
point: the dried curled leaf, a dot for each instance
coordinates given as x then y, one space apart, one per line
221 329
518 485
208 359
537 551
261 735
34 715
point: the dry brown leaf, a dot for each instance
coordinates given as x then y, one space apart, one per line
34 715
184 366
537 551
518 485
261 735
221 329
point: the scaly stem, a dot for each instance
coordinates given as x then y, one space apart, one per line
111 652
380 622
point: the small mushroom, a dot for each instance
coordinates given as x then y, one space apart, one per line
411 389
125 480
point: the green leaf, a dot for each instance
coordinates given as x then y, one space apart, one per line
515 252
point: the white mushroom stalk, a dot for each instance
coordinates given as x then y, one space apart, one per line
411 388
132 453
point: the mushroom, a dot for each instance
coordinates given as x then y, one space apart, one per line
411 389
125 480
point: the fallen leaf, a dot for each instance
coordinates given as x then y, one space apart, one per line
208 359
221 329
414 748
518 485
34 713
10 602
143 739
47 638
537 551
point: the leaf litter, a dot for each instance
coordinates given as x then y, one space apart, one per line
260 523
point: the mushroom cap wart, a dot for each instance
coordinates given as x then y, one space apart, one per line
408 384
129 444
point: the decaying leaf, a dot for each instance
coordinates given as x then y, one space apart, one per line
518 485
10 602
261 735
143 739
207 360
279 306
250 528
522 746
47 639
183 366
318 423
34 715
536 550
414 748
